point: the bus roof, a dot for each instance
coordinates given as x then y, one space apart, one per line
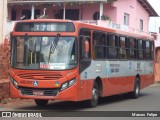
80 24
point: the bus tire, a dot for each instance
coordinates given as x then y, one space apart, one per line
41 103
135 93
95 96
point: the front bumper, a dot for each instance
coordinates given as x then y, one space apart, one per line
69 94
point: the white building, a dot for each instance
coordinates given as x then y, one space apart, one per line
3 15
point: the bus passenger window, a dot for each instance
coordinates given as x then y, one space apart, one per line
141 49
131 46
148 50
112 47
140 54
122 51
152 49
99 39
112 53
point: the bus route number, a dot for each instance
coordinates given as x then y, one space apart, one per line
45 27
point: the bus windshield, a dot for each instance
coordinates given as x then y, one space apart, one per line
54 53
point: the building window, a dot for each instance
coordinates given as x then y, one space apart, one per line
141 24
126 19
37 13
27 14
96 16
13 12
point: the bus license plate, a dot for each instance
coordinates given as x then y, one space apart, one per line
38 93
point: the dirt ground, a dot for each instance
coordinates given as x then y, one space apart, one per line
5 103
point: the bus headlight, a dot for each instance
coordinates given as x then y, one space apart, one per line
14 82
71 82
68 84
64 86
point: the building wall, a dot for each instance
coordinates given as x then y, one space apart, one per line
3 16
114 10
142 14
89 10
111 11
126 6
157 41
135 11
157 64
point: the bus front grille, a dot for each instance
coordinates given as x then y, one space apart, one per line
40 76
46 92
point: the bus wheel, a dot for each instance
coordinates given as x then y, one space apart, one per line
135 93
41 103
95 96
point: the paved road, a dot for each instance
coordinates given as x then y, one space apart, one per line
149 100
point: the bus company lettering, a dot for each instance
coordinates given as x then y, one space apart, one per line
115 68
138 65
114 65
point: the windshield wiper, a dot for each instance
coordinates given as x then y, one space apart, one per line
53 46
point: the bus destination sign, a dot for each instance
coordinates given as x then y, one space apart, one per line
44 27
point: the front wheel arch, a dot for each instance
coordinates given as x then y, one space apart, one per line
93 102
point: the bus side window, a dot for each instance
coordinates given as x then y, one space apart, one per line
140 49
131 48
112 47
100 41
152 49
122 51
85 47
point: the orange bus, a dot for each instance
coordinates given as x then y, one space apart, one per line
75 61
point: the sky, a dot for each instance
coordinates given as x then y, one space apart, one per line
154 23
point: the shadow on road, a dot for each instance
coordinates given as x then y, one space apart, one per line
118 98
77 106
